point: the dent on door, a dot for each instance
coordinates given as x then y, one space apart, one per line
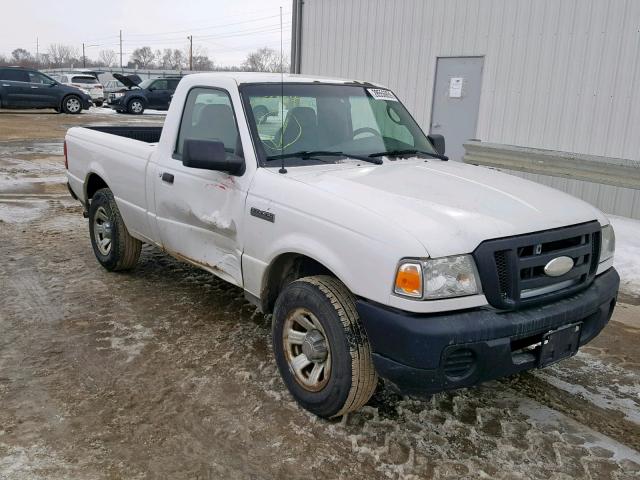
200 226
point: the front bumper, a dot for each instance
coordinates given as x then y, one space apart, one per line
424 354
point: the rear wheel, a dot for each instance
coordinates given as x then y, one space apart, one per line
114 248
136 106
71 104
321 349
98 103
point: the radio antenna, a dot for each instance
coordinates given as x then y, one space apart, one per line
282 169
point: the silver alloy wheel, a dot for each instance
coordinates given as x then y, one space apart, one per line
307 350
102 231
136 106
73 105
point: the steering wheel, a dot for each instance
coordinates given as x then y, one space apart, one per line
370 130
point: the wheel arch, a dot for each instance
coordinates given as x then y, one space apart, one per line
92 184
284 269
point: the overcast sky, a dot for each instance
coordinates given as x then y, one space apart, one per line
228 30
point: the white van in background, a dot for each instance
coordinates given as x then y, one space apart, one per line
87 83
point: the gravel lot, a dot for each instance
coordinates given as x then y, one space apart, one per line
167 373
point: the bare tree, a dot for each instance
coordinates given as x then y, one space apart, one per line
22 57
201 60
173 59
3 60
143 57
107 57
265 60
62 55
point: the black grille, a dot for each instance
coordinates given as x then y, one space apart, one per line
512 269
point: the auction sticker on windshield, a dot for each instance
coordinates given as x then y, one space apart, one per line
382 94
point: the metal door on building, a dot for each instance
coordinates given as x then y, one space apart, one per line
456 101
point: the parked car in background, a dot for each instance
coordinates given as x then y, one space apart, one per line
155 93
25 88
86 82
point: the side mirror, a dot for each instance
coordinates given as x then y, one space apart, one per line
210 155
437 141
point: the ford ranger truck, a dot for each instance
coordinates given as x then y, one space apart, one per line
327 204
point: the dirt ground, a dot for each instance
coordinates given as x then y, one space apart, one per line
167 373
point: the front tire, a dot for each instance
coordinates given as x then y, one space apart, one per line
72 104
136 106
321 348
112 245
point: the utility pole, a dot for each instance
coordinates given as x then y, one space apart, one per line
120 49
84 58
190 38
37 52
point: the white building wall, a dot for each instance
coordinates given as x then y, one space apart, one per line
559 74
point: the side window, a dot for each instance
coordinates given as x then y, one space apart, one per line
173 84
15 75
37 77
159 85
208 115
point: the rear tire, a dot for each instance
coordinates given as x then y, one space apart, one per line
98 103
72 104
315 324
114 248
135 106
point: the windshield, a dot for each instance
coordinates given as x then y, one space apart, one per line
146 83
351 119
84 80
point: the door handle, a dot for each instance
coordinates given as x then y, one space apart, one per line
5 85
167 177
35 87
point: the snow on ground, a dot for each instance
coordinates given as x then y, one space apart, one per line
110 111
627 258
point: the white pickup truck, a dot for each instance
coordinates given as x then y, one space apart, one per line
325 201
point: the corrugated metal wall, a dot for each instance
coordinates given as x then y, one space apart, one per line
559 74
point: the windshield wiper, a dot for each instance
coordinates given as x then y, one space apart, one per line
305 155
399 153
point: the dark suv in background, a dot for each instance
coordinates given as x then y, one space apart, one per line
23 88
154 93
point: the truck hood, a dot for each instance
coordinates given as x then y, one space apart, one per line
129 81
449 207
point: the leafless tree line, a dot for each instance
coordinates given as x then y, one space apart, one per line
65 56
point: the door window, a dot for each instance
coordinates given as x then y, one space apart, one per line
159 85
208 115
37 77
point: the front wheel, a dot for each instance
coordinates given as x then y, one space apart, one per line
136 106
321 348
72 104
114 248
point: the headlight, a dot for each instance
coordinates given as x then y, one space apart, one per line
450 277
118 95
607 243
438 278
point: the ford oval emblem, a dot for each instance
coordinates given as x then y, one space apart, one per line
558 266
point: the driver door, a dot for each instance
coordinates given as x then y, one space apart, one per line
43 92
199 211
159 94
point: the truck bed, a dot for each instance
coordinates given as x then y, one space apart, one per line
143 134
